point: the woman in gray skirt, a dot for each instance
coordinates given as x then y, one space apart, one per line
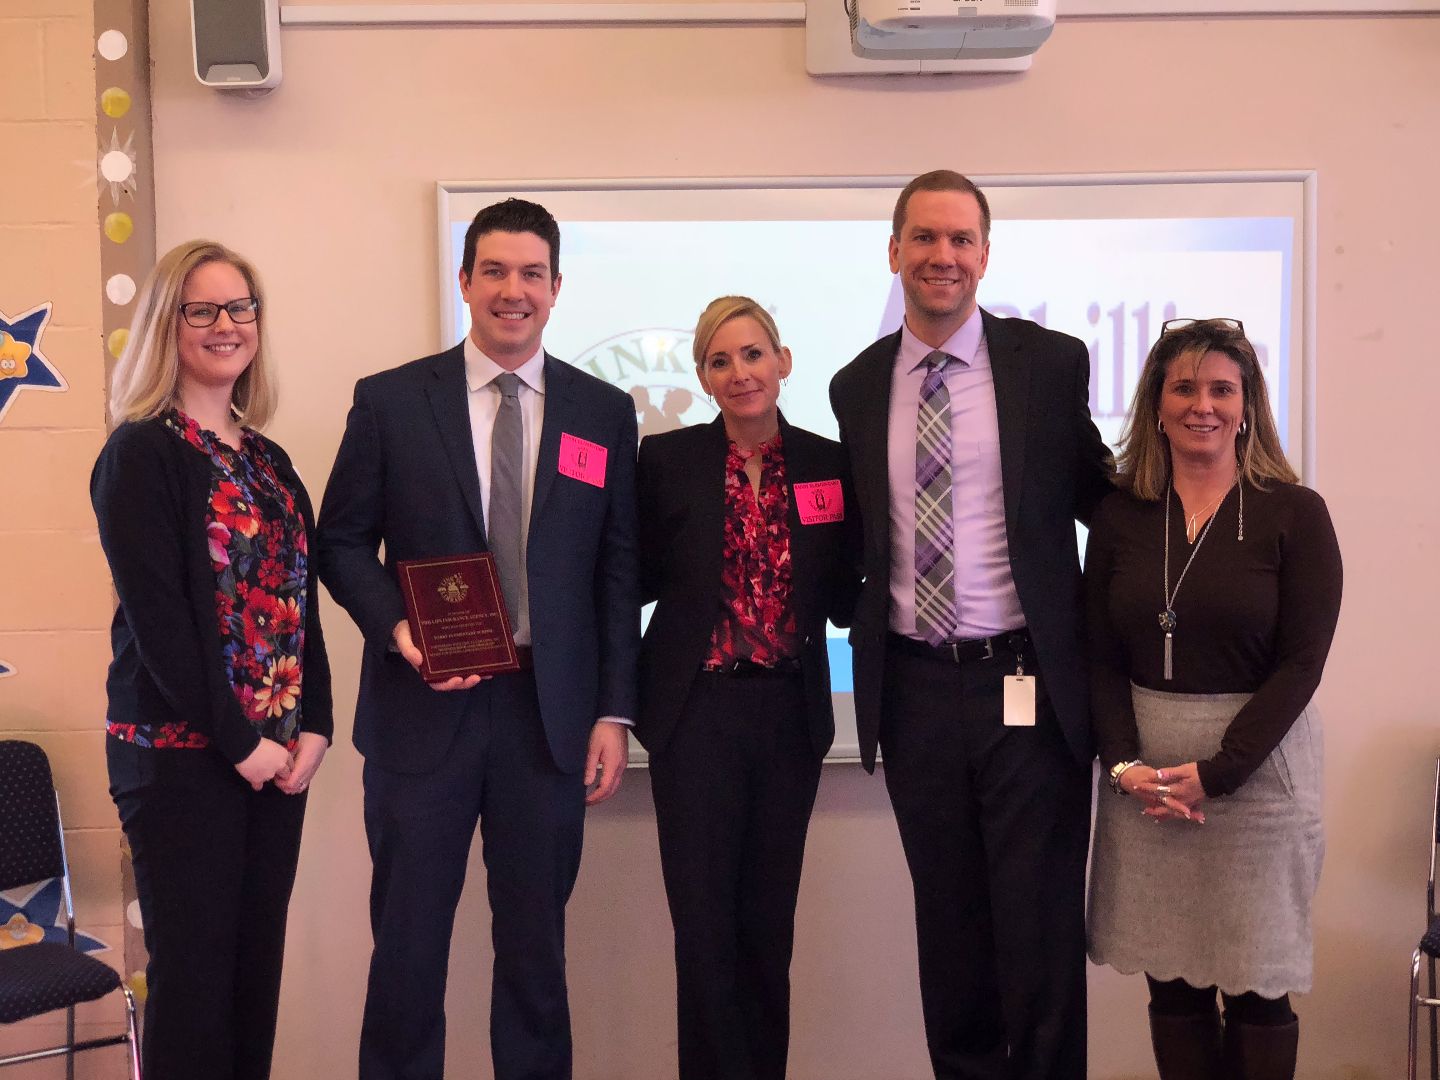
1213 586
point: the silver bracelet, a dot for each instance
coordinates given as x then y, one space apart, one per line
1118 770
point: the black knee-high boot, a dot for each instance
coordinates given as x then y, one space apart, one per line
1187 1046
1261 1051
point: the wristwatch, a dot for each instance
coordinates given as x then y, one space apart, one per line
1118 770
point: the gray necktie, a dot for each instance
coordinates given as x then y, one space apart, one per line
507 457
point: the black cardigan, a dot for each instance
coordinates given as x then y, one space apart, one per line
150 490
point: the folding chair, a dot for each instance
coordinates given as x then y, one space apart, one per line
1429 949
47 975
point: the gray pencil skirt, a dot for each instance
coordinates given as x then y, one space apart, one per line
1222 904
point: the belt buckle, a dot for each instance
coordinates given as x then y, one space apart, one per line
988 642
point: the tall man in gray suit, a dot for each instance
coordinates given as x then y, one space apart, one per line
973 455
492 445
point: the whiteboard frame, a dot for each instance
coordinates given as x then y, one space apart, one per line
1304 362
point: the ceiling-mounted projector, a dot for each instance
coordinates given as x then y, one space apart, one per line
949 29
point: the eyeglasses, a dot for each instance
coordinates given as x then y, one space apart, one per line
202 313
1171 326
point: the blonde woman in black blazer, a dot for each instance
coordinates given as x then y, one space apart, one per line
748 545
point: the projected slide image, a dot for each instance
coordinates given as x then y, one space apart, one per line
639 266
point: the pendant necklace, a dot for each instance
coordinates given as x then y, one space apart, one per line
1167 616
1192 523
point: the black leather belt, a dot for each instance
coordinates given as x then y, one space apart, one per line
1010 643
750 669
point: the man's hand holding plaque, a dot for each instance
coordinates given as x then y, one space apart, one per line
404 644
457 630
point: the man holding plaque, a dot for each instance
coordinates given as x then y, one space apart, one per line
501 483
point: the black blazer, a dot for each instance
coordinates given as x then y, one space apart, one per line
682 528
1055 469
405 477
150 490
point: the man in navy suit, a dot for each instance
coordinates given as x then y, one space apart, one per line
425 470
973 455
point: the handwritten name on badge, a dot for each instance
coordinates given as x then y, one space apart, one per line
581 459
820 503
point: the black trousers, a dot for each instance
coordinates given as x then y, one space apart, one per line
995 822
499 772
214 865
733 794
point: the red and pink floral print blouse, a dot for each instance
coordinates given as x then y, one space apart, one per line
757 623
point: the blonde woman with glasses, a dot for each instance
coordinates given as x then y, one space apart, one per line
219 691
1212 584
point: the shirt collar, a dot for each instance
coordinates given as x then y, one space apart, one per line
769 450
964 344
481 371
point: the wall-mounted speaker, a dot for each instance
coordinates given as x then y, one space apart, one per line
236 44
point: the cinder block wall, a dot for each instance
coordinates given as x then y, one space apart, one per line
55 596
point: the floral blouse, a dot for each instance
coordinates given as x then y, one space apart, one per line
259 553
757 620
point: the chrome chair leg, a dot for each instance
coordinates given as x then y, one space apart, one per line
1434 1026
1414 1014
132 1035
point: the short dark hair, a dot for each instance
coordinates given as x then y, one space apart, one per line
517 216
940 180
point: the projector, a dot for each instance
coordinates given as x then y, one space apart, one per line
949 29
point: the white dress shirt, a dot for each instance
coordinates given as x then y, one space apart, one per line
484 402
483 398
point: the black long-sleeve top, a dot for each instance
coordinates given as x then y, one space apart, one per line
1252 616
150 490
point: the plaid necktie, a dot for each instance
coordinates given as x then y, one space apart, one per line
935 617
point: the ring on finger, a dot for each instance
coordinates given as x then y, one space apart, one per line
1163 791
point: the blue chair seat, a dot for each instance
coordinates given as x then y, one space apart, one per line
46 976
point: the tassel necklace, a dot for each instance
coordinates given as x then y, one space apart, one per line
1167 616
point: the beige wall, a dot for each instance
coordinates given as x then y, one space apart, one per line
328 185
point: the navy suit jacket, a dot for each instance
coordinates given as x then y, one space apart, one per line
682 515
1055 469
405 477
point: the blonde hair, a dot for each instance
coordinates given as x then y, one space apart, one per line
147 378
1144 457
720 311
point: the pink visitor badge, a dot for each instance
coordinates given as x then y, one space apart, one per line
581 459
820 503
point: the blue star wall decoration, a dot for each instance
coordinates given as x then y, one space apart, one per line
5 669
36 913
22 364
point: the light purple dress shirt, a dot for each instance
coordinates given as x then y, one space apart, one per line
986 600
